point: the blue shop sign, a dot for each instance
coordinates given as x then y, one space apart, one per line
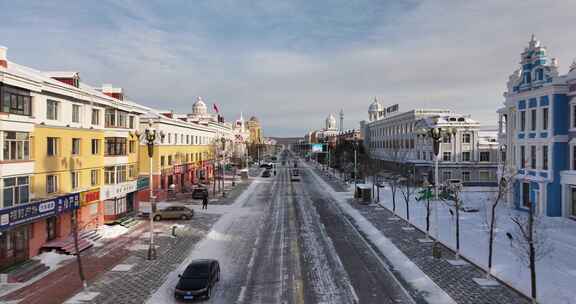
26 213
142 183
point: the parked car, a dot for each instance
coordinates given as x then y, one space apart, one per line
199 193
174 212
266 173
197 280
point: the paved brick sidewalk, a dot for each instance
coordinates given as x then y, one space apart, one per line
456 281
60 284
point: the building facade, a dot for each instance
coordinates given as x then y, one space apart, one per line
395 138
535 131
58 145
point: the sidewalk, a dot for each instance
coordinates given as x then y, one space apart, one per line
63 282
456 281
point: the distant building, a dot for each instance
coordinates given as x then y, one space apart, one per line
255 130
395 138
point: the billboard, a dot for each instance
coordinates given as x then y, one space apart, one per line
317 148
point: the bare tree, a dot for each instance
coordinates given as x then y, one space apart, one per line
425 195
452 196
408 187
491 216
530 244
393 182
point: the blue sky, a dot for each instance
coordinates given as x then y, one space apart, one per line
291 63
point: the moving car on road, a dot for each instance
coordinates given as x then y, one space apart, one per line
294 175
174 212
199 193
266 173
197 280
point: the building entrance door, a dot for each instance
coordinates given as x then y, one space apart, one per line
526 195
14 246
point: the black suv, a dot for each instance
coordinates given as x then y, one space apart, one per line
198 280
199 193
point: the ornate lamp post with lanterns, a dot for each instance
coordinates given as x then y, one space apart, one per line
150 136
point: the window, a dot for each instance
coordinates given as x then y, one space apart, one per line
484 175
544 157
573 157
446 175
466 176
74 180
51 183
52 110
169 159
466 156
16 101
16 190
522 157
52 146
94 177
522 120
109 175
75 113
484 156
132 146
131 122
545 119
533 157
16 146
95 146
115 146
466 138
132 172
162 161
122 118
121 174
95 117
574 116
110 118
75 146
446 156
533 117
446 138
573 202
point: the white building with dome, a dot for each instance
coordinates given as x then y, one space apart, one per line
200 112
394 138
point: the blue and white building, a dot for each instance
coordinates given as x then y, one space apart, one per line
535 130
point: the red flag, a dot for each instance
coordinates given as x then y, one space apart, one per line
216 108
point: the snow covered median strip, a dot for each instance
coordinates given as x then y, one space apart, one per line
401 263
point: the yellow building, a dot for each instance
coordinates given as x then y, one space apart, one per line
183 152
255 130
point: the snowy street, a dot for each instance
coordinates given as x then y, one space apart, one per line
285 242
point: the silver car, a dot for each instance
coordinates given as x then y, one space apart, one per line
174 212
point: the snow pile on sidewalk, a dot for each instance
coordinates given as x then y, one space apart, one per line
401 263
52 259
556 273
112 231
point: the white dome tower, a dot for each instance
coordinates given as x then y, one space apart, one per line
331 122
199 107
375 111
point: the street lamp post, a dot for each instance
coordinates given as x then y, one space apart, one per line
436 134
355 164
150 136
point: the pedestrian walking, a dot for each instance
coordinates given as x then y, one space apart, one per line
205 203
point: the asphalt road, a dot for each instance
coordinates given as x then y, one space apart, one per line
284 241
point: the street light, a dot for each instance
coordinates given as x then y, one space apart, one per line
150 136
355 145
436 133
